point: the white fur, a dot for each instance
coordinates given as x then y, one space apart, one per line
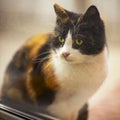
78 75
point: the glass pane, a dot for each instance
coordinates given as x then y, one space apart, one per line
21 25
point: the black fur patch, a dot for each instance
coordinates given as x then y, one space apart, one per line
20 61
15 73
83 113
61 28
90 29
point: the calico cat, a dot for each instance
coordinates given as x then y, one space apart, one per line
59 71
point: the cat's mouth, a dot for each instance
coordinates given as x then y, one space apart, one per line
68 60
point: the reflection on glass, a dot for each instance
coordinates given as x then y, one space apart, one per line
49 75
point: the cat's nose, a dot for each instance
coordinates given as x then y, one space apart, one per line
65 54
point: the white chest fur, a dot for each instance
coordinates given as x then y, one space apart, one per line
77 82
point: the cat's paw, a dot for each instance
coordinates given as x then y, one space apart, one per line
63 111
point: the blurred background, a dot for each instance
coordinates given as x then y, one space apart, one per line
21 19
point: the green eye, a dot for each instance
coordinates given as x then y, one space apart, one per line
61 40
79 42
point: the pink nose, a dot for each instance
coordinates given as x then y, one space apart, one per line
65 54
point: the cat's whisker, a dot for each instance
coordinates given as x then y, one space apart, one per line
36 58
42 60
43 53
47 66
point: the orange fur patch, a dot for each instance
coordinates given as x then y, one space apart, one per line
60 8
36 42
50 77
63 11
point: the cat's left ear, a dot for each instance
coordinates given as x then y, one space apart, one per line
61 12
91 15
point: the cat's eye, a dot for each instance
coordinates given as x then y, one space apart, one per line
79 42
61 40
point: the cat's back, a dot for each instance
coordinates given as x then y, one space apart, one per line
14 84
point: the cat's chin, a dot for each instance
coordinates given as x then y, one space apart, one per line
69 61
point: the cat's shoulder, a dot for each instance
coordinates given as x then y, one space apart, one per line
28 51
39 39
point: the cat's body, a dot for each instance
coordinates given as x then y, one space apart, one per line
57 71
78 83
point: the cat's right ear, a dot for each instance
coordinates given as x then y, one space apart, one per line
61 12
92 15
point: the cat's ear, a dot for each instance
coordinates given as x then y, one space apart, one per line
61 12
92 14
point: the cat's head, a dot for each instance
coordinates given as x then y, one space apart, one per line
78 37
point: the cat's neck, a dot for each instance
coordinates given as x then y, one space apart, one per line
82 79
